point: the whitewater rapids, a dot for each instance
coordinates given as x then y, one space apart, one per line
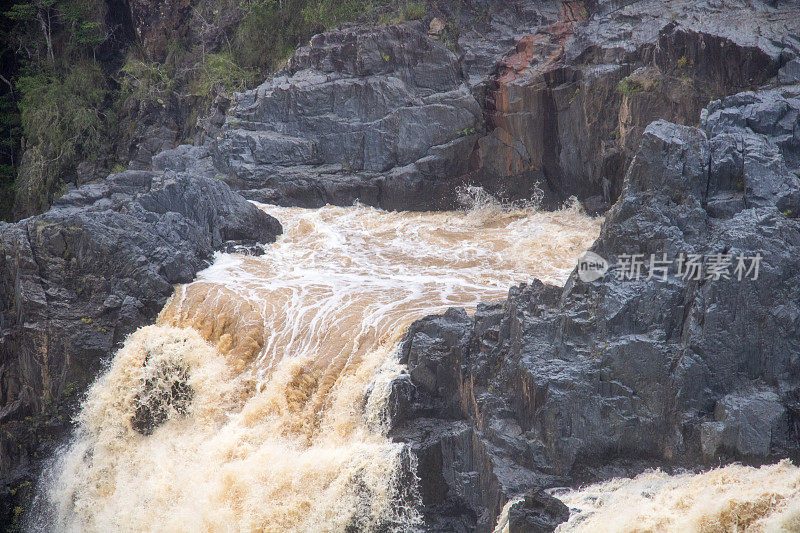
731 499
256 402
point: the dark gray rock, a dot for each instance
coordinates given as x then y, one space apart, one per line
367 113
790 72
537 512
566 108
560 386
77 279
524 98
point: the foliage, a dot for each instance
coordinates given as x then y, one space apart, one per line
55 91
220 73
257 48
631 85
59 110
323 14
627 86
11 131
450 35
145 81
83 22
61 122
414 11
270 30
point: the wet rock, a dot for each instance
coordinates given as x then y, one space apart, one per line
77 279
790 72
537 512
561 386
526 99
565 109
165 390
368 113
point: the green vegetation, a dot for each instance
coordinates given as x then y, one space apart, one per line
635 84
52 112
574 95
407 11
220 73
289 23
11 131
414 11
145 81
627 86
62 123
450 36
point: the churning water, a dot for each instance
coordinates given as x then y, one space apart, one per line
731 499
256 403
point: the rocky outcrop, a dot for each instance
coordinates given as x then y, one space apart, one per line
566 109
386 115
77 279
378 114
556 386
522 98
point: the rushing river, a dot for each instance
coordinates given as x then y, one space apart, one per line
256 402
731 499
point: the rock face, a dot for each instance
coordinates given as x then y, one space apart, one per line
381 114
538 96
76 280
568 106
557 386
552 386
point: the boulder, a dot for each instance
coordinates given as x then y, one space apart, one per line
360 113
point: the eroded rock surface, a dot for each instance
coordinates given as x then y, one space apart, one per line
379 114
552 386
567 107
557 386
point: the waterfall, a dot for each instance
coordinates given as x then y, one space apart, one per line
257 400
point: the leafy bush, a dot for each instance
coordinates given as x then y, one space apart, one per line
267 33
323 14
631 85
221 73
145 80
54 119
414 11
61 122
271 30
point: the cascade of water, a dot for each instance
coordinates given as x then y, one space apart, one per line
256 401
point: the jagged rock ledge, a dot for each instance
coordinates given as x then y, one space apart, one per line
77 279
557 386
